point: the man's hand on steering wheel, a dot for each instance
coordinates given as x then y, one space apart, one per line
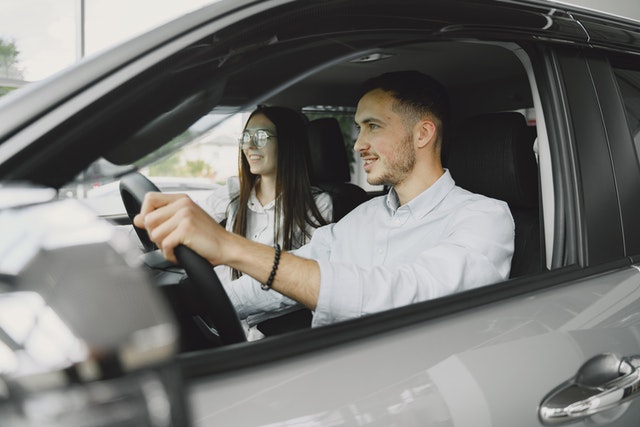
171 217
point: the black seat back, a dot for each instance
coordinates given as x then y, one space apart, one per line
493 155
331 172
330 168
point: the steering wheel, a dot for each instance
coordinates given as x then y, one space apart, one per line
204 283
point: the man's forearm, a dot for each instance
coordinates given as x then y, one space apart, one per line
297 278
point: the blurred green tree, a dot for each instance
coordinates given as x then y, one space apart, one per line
174 166
9 64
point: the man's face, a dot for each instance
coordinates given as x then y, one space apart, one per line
384 143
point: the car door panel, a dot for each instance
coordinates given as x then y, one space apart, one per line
458 370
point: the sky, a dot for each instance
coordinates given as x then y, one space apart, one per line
46 31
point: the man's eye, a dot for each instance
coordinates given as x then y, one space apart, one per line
373 126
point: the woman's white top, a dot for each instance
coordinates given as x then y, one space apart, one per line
260 219
260 228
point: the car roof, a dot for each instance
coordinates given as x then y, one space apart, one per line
625 10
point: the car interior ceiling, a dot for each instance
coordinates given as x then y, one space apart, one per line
498 83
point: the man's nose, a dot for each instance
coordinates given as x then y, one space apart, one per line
360 144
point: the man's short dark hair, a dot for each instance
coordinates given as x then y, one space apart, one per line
416 92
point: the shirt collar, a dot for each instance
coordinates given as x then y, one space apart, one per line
254 204
426 201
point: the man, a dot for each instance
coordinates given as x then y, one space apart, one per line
426 238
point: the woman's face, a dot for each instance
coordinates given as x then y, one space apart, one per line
262 161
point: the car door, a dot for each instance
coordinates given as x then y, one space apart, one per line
557 347
489 366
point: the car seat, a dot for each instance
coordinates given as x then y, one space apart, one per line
493 155
330 166
330 171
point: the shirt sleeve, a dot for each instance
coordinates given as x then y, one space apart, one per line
250 300
217 203
325 205
476 251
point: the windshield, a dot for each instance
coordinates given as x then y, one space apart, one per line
196 162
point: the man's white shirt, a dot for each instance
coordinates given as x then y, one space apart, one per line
382 255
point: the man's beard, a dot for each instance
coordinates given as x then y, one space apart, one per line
397 169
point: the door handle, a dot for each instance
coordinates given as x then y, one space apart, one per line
603 382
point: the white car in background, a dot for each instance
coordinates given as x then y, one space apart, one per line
107 201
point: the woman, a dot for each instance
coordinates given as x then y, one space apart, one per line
271 201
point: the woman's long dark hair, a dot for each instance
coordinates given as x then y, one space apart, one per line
295 204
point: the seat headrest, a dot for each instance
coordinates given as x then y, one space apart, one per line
493 155
329 161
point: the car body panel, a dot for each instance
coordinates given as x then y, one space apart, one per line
621 11
483 367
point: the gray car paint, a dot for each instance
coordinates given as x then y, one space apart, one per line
481 368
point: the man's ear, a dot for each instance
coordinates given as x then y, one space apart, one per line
425 133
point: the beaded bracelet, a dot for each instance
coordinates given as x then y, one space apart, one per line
276 261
